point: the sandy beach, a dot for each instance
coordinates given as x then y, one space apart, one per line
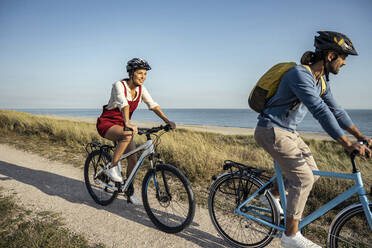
202 128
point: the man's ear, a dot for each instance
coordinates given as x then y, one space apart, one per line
331 56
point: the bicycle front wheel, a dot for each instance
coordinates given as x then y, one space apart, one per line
168 198
99 185
351 230
236 229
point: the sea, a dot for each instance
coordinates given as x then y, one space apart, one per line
244 118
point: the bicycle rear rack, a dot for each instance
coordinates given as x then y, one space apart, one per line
245 170
97 146
242 168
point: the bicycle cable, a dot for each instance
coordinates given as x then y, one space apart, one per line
157 140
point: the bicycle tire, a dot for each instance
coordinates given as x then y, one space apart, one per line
101 194
161 208
351 229
236 229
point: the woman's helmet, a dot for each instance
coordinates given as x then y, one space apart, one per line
137 63
328 40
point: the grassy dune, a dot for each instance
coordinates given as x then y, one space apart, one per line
198 154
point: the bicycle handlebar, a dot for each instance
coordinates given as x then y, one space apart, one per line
154 129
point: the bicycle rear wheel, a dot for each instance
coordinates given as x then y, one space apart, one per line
99 185
234 228
351 229
168 198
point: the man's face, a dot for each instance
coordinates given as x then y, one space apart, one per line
335 64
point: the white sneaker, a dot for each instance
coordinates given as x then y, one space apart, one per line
118 168
297 241
114 174
134 199
265 202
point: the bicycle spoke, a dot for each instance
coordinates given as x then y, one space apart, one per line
235 228
98 184
346 242
170 210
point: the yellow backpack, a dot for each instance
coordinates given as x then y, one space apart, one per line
268 84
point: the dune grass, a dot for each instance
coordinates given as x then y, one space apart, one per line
198 154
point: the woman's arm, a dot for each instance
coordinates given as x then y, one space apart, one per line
154 106
157 110
125 112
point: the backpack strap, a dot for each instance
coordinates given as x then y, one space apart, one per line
324 86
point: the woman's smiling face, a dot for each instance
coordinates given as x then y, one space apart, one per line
139 77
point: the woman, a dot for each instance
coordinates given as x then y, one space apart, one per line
114 123
298 93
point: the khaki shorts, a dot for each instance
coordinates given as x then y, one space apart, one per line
295 159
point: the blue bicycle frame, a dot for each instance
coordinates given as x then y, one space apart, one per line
357 188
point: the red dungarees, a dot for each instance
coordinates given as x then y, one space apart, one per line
113 117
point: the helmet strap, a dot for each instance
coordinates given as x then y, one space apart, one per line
326 72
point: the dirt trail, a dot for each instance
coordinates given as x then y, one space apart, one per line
44 185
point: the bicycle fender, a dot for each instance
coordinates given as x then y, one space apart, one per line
222 175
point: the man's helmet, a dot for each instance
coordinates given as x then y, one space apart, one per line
137 63
328 40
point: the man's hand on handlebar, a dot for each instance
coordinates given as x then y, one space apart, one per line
360 149
369 141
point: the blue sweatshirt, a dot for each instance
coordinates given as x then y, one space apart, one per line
298 84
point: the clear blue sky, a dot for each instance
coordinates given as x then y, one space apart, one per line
204 54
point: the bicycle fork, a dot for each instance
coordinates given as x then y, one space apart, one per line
159 196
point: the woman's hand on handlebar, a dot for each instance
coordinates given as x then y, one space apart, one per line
133 128
171 124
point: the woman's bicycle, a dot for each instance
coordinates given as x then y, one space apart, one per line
244 219
166 193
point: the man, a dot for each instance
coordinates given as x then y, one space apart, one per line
299 92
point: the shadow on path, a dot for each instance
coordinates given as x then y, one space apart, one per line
75 191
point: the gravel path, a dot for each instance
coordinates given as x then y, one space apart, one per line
44 185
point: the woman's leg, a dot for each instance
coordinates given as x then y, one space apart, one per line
132 159
117 133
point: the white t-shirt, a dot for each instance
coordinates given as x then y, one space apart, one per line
118 99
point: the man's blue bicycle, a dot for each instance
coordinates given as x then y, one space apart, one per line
243 220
